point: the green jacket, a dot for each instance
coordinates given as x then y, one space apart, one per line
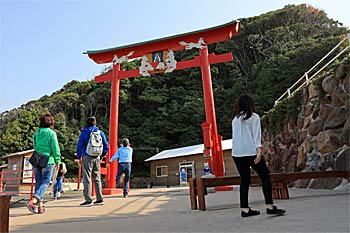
45 142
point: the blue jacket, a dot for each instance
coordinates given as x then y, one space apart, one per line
84 140
124 154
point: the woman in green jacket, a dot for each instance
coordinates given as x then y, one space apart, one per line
45 143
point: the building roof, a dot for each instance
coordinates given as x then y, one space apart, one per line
188 150
19 153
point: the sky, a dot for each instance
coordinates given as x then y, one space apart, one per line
42 41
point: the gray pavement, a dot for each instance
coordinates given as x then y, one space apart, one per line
168 210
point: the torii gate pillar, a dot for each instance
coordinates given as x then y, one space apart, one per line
113 131
212 141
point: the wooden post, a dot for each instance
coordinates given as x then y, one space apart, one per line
1 182
201 194
193 194
4 213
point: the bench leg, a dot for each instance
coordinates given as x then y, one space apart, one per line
4 213
275 191
284 192
280 191
193 194
201 194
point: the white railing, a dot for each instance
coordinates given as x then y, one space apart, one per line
305 79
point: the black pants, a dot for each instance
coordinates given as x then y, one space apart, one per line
243 165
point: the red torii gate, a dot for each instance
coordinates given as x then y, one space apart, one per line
160 52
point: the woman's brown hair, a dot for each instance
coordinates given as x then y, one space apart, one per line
46 121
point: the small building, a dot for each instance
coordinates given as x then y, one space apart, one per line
176 166
17 173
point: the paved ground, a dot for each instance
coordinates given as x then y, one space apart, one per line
168 210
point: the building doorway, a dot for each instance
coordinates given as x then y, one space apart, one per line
186 171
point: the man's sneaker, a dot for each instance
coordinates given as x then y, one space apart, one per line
31 207
275 210
251 212
99 202
125 195
86 203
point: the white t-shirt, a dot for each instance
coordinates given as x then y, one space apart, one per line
246 135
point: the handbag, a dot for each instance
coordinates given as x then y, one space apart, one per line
38 160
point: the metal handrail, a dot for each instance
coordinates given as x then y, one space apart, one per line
306 74
12 177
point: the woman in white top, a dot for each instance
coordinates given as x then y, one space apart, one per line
246 153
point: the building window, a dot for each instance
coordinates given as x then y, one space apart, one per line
162 171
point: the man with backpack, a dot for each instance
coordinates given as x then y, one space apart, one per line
92 146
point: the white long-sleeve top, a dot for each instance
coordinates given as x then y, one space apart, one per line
246 135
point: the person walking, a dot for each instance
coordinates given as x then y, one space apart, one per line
45 143
92 146
57 179
247 153
124 154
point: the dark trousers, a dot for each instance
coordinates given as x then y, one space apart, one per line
243 165
124 168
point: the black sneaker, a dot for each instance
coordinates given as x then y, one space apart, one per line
275 210
86 203
251 212
99 202
125 195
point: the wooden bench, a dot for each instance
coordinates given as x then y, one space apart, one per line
198 186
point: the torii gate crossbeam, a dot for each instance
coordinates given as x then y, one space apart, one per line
199 39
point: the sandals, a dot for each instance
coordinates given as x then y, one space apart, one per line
41 209
35 208
31 207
